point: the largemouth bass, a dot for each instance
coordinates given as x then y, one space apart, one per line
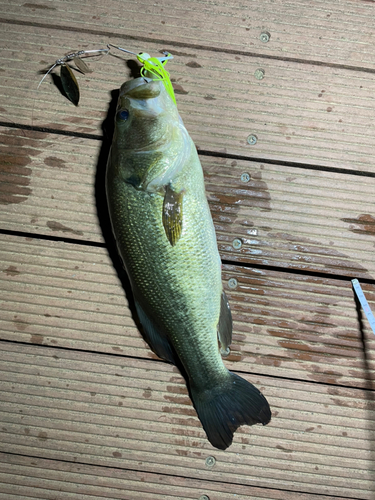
166 238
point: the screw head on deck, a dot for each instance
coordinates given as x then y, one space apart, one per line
237 243
232 283
259 74
210 461
204 497
252 139
245 177
265 36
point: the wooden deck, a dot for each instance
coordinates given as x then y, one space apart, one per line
87 411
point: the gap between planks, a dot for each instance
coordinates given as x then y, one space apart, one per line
221 102
285 217
221 27
294 326
101 410
88 482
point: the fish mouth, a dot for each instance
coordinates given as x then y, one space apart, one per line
141 88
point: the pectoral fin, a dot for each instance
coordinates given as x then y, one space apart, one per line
225 325
172 214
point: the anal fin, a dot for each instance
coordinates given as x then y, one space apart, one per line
158 342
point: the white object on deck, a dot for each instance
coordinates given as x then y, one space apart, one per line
364 303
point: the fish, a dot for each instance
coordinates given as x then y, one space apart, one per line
166 239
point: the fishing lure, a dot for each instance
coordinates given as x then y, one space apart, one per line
68 80
153 66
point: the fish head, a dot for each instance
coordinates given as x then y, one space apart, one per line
145 114
150 145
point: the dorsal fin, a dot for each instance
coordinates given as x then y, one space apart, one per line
225 325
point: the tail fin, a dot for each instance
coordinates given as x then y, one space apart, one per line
227 406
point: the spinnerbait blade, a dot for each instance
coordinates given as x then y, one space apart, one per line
81 65
69 84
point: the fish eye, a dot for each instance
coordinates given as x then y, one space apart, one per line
122 115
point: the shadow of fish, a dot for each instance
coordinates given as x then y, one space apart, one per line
166 238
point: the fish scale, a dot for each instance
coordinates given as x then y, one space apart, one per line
175 275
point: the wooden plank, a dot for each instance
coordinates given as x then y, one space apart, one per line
284 216
295 326
304 114
236 26
133 414
30 477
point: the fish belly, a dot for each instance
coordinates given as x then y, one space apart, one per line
179 287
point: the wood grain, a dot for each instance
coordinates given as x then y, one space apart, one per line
302 114
25 477
287 217
128 413
87 410
308 31
294 326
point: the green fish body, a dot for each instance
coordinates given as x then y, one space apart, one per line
166 238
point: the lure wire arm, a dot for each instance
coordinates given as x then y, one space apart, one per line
152 65
73 55
109 45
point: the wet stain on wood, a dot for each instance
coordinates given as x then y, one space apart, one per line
179 389
326 376
20 324
189 411
53 161
225 206
179 90
309 251
16 150
117 349
182 453
363 224
56 226
185 422
11 271
36 339
286 450
35 6
193 64
15 178
147 393
43 436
